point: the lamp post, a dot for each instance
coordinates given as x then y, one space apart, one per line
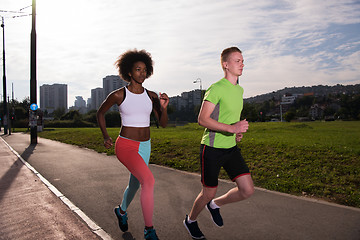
5 115
198 80
33 129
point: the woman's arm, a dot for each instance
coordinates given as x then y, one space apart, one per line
114 98
160 107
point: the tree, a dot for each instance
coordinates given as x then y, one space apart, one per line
329 111
90 116
250 112
71 115
112 119
58 113
290 115
20 113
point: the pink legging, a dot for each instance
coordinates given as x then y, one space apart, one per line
129 153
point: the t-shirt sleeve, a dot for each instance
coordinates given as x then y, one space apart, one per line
212 95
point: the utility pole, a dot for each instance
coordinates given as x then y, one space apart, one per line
198 80
5 115
9 119
32 115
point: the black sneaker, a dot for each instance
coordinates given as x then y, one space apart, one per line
122 219
150 234
193 229
215 215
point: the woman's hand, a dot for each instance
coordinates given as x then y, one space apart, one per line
108 142
164 100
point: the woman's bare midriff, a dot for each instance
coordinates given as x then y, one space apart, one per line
135 133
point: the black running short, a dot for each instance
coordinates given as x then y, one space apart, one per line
212 159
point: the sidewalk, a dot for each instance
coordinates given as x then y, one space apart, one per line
94 183
29 210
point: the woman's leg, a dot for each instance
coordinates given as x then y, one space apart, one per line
129 192
142 172
131 153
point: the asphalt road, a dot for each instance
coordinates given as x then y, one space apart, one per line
95 182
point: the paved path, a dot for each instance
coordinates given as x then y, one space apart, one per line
94 183
28 210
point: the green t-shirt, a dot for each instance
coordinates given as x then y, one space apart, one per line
228 100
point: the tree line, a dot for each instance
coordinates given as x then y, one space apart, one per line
333 107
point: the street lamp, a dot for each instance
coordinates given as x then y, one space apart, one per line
5 115
198 80
32 115
6 118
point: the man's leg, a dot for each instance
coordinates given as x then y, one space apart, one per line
244 189
190 222
205 196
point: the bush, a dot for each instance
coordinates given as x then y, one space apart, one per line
68 124
71 115
112 119
23 123
289 116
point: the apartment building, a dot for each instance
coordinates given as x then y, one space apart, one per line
53 97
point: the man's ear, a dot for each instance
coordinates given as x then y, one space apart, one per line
225 65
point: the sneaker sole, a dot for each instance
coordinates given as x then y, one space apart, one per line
213 218
190 232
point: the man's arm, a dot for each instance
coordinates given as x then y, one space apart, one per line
205 120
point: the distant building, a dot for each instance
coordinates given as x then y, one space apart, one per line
178 102
111 83
80 104
53 97
187 100
97 97
88 104
308 94
316 112
288 99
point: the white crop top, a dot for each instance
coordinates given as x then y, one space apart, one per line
135 109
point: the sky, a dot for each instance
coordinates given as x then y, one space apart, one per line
285 43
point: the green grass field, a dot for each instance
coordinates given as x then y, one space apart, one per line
314 159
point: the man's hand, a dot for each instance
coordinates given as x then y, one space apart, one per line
240 127
239 136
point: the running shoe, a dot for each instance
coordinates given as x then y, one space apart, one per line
193 229
150 234
122 219
215 215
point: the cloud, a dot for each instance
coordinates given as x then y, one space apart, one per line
285 43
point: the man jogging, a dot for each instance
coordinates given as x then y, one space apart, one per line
220 115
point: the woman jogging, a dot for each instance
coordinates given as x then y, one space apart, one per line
133 146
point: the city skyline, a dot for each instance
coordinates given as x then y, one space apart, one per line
284 43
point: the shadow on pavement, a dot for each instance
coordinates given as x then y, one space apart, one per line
8 178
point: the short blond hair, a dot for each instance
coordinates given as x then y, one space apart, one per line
226 53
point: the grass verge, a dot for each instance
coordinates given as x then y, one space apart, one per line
315 159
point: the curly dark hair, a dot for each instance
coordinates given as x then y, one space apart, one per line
126 61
